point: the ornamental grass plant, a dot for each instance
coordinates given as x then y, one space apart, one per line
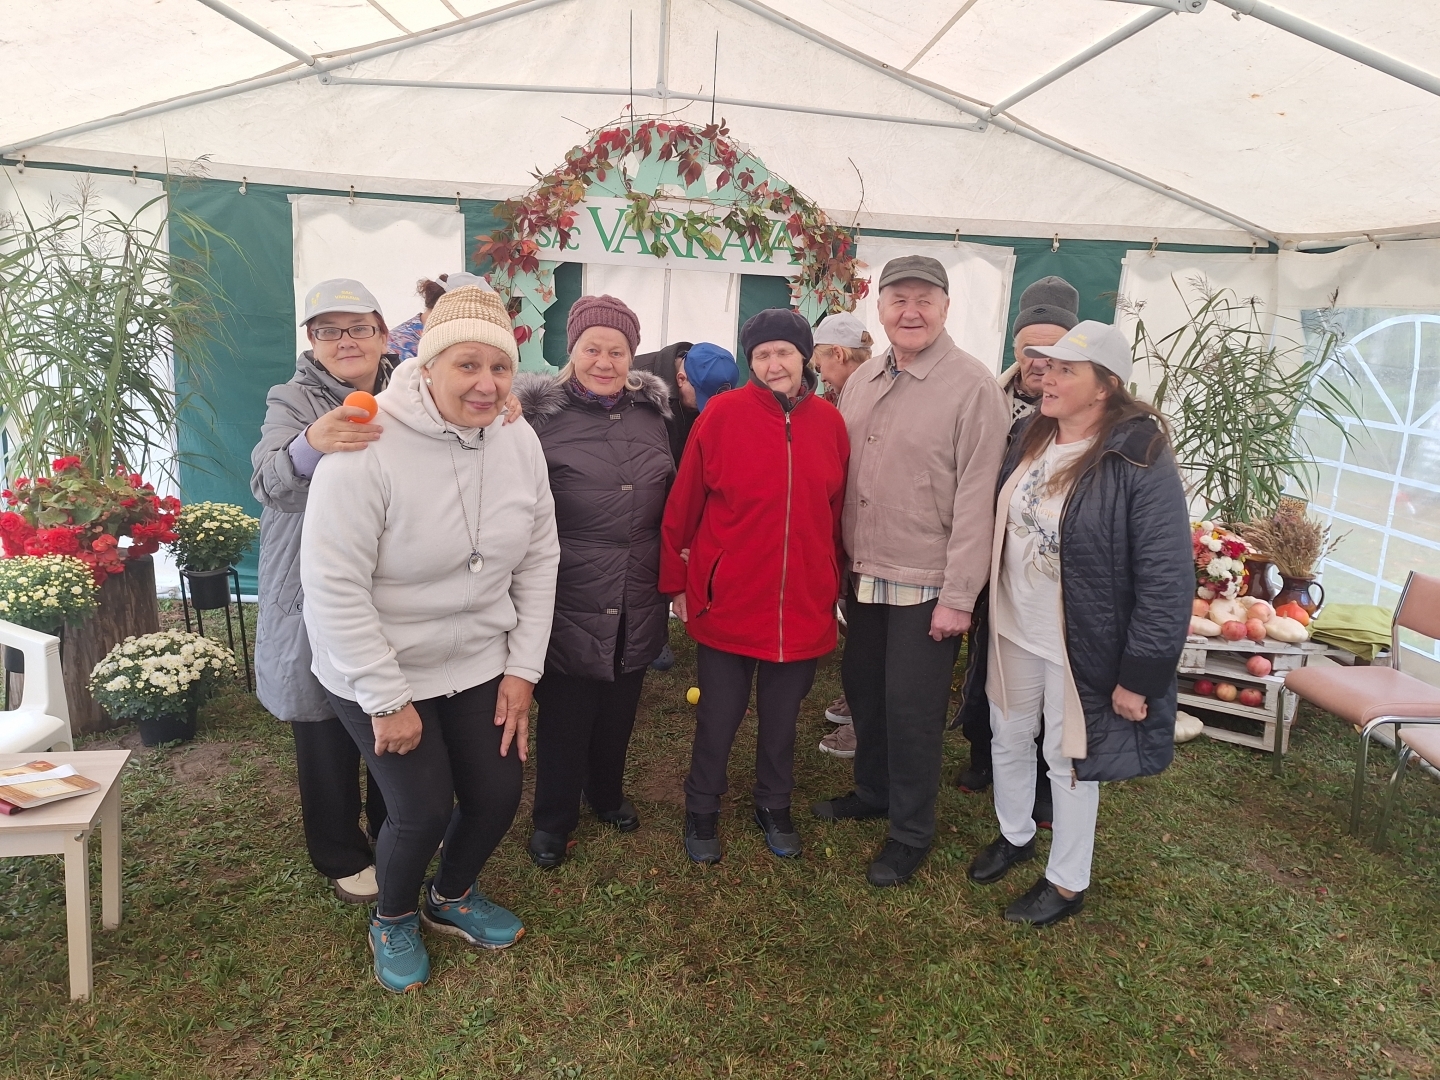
45 592
162 674
212 536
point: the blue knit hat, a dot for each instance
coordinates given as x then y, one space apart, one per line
710 370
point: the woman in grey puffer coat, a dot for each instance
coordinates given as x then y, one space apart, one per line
601 423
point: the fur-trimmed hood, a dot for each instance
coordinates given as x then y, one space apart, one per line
544 396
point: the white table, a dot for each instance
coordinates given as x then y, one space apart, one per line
64 828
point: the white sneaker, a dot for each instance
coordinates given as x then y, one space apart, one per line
838 711
361 888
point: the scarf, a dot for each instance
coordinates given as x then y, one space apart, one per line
580 393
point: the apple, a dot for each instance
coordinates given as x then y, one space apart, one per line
1261 610
1252 697
1234 630
1203 687
1255 629
1259 666
1226 691
1200 608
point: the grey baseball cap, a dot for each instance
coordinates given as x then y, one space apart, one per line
1094 343
914 267
459 281
339 294
842 328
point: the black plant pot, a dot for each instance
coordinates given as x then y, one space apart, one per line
209 589
176 727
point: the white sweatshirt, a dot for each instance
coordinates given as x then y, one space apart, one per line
393 611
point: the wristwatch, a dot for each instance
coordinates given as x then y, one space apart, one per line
389 712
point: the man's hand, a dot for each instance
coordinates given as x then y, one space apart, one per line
513 409
398 733
1129 704
335 431
947 622
680 607
512 712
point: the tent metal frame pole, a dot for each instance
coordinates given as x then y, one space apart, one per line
258 30
662 72
294 75
1129 30
1004 123
1337 43
604 91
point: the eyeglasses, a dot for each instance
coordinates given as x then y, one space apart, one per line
335 333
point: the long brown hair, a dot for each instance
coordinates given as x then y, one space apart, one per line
1120 406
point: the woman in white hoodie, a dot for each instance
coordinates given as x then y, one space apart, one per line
429 573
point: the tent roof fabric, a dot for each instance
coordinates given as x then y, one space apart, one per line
1206 127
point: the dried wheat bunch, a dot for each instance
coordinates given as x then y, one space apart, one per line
1294 542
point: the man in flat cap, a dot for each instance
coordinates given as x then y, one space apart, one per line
927 426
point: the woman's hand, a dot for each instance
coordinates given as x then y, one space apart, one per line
679 606
948 622
513 410
1129 704
398 733
335 431
512 712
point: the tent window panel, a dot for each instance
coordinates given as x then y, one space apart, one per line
1417 511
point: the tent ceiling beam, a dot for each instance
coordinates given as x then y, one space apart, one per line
670 94
1338 43
1004 123
939 34
259 31
290 75
1129 30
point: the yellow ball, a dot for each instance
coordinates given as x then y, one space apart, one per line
693 695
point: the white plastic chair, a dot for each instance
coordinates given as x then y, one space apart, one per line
42 722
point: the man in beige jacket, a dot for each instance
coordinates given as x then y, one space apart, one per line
927 426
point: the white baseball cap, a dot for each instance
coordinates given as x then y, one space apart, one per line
841 328
1094 343
339 294
462 280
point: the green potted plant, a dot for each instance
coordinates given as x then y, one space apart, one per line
159 681
210 538
45 593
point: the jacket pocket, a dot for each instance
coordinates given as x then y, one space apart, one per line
710 584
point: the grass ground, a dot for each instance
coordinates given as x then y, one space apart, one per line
1233 930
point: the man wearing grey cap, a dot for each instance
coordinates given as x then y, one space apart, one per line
1048 308
927 426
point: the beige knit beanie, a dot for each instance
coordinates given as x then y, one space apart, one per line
469 313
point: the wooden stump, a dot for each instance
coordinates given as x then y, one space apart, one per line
127 606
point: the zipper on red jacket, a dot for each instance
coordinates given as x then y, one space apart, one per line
785 557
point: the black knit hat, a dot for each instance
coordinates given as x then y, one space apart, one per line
1051 300
776 324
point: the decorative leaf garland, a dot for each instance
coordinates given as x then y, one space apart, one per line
671 159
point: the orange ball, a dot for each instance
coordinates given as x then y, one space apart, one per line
359 399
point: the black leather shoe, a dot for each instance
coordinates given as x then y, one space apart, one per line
974 779
896 864
848 807
547 849
995 860
780 835
624 817
702 838
1043 905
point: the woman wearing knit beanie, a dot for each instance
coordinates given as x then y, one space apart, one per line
428 565
757 505
601 423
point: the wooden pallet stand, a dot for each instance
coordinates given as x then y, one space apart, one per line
1231 669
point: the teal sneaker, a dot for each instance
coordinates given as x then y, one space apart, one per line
473 918
401 962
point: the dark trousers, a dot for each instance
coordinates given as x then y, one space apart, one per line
327 764
725 681
454 786
897 681
583 732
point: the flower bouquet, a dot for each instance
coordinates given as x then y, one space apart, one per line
1219 561
74 513
160 680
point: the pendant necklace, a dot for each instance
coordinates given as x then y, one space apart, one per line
477 561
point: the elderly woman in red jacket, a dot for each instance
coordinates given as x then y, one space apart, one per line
750 552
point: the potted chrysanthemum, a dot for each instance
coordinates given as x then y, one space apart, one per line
45 593
159 681
209 540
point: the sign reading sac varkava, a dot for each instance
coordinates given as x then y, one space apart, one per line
601 234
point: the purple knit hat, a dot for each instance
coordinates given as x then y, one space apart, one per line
608 311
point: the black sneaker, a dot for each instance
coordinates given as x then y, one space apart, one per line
780 835
995 861
975 779
1042 905
702 840
547 850
848 807
896 864
624 817
665 661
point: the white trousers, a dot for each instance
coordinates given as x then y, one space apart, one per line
1035 687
